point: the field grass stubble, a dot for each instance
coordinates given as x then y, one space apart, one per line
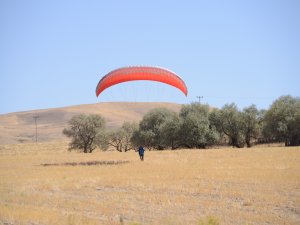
245 186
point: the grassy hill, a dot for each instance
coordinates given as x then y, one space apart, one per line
20 126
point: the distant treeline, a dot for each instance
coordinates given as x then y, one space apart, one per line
195 126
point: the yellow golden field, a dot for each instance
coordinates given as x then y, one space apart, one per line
232 186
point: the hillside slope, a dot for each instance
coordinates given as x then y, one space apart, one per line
20 127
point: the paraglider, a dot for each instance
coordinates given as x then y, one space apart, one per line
140 73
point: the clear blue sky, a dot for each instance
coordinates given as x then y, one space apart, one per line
53 53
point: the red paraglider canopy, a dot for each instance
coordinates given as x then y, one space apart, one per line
140 73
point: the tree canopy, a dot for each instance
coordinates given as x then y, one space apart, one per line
84 131
282 121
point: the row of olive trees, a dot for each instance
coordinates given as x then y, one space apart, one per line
238 127
195 126
280 123
162 128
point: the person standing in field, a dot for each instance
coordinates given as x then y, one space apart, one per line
141 153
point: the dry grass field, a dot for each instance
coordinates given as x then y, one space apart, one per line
233 186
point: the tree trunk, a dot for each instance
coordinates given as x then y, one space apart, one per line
85 149
234 142
248 142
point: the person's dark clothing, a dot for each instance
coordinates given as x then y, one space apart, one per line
141 153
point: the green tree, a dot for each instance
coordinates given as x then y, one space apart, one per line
282 121
121 138
143 138
169 131
215 123
231 124
195 129
150 129
250 119
115 139
84 131
128 130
